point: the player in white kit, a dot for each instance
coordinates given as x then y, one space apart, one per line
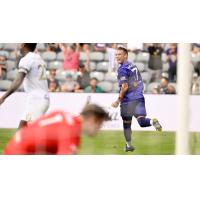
32 72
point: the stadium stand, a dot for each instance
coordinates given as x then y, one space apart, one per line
98 75
4 53
41 47
10 65
102 66
55 65
140 66
165 67
5 84
111 77
93 66
10 46
11 74
106 86
151 86
12 56
97 56
60 56
49 56
98 65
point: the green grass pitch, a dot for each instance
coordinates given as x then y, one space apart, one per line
112 143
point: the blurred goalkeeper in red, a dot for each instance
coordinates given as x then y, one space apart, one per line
57 133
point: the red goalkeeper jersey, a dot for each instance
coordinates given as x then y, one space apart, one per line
55 133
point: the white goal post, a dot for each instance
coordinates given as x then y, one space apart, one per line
184 72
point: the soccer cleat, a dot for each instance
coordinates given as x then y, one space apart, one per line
131 148
157 125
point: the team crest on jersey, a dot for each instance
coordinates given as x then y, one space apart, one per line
123 78
135 84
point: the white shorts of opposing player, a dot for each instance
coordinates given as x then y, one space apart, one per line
36 106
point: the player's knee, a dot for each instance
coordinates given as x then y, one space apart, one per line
141 121
126 124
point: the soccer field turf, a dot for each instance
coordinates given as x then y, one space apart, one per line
112 142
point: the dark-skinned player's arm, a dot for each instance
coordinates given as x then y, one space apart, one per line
124 89
14 86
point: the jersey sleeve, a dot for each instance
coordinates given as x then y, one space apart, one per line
24 66
123 76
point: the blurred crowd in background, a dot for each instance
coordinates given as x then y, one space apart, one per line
91 68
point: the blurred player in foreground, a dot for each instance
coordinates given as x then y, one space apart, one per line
32 72
57 133
131 97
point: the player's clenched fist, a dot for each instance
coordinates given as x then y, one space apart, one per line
115 104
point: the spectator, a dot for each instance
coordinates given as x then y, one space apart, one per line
3 69
53 83
53 47
93 87
196 84
196 51
83 78
69 85
101 47
111 50
172 59
171 89
85 47
71 56
155 62
164 87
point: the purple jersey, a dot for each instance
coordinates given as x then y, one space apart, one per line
129 73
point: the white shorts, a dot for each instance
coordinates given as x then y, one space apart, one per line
36 106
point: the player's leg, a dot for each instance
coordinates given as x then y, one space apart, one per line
40 109
140 114
127 121
35 108
143 121
26 118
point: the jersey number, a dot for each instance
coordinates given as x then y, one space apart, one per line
136 72
43 72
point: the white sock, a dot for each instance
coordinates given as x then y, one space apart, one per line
128 144
151 122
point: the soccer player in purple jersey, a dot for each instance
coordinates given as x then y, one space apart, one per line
131 98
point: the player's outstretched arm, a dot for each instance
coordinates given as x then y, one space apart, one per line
123 91
14 86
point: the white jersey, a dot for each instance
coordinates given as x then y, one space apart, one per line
35 84
35 69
